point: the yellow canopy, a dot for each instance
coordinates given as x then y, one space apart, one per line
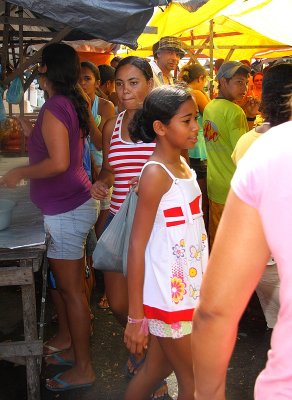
234 23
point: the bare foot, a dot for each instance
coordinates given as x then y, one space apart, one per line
103 302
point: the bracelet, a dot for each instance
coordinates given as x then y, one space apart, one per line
144 324
251 118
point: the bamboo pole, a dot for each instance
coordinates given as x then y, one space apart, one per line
211 45
4 55
21 105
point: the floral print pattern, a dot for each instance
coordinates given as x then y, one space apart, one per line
178 251
178 289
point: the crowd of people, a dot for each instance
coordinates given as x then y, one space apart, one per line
105 129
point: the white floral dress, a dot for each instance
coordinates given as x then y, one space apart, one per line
175 258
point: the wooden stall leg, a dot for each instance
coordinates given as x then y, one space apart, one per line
30 334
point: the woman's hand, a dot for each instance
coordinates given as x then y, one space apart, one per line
26 125
12 178
99 190
135 339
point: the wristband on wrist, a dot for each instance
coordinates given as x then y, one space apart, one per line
251 118
144 324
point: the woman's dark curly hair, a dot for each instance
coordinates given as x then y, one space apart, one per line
161 104
276 91
63 70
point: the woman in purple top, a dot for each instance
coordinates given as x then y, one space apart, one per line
61 189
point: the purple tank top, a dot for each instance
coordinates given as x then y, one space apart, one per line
67 190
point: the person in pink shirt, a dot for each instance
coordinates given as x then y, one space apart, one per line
256 223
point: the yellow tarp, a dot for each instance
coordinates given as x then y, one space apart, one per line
233 22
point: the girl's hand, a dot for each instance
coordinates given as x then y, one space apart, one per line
12 178
134 183
99 190
135 340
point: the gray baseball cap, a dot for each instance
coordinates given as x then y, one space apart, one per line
228 69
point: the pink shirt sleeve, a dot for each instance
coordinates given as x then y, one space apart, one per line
246 182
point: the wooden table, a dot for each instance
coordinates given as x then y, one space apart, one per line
22 252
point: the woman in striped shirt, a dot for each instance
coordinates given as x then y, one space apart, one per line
123 160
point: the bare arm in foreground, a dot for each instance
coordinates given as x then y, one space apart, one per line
237 261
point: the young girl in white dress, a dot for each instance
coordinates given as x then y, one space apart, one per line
168 247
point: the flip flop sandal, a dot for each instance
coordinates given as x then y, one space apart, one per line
164 396
65 385
53 350
59 360
135 365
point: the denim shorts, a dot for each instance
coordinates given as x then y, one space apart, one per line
67 232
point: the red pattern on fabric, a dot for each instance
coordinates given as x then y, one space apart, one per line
168 317
173 212
174 223
195 205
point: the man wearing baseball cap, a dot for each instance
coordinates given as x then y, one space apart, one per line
167 52
224 122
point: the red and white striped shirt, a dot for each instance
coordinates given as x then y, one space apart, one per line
127 160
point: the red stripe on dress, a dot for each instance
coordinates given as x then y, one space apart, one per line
133 158
126 160
173 212
131 147
169 317
127 178
195 205
174 223
114 208
122 186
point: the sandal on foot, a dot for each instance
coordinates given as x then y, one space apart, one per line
64 385
59 360
53 350
161 396
131 372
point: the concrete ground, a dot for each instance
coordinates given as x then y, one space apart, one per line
109 355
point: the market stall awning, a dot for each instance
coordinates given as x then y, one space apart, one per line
111 20
238 34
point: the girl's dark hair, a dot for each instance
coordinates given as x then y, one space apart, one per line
63 70
193 72
161 104
107 73
276 91
93 68
141 63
